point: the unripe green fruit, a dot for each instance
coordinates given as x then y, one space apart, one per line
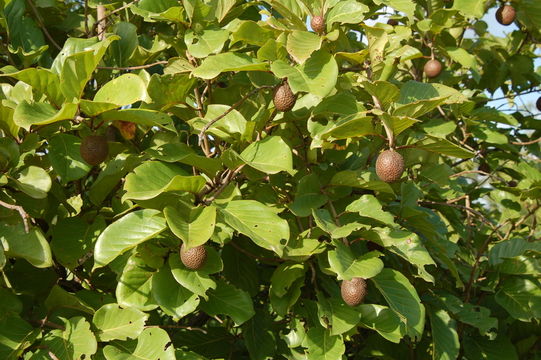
432 68
193 258
94 149
353 291
389 166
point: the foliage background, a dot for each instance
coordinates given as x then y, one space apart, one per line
288 204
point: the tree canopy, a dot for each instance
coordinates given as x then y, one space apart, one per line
347 179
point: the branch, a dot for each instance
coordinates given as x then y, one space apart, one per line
223 184
100 10
42 26
386 126
514 95
101 19
233 107
21 211
138 67
527 142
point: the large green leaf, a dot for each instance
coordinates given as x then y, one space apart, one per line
125 233
34 181
135 285
445 147
123 90
258 222
270 155
470 8
285 276
321 345
347 266
347 12
198 282
383 320
152 178
153 344
228 300
301 44
75 341
316 76
65 157
193 225
115 323
521 298
173 298
206 42
446 345
369 206
31 246
39 113
259 337
217 64
403 299
15 336
43 81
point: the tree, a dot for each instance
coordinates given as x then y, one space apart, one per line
261 145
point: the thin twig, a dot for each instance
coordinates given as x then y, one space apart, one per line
527 142
233 107
52 355
42 26
386 126
100 10
112 13
21 212
138 67
224 184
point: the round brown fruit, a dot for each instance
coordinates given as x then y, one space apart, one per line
284 99
389 166
538 104
506 15
193 258
432 68
392 22
318 24
94 149
353 291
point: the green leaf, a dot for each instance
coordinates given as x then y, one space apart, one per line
115 323
521 298
403 300
342 317
316 76
228 300
123 90
197 282
481 348
350 126
173 298
65 157
383 320
228 128
347 12
75 341
76 68
15 336
73 239
153 344
321 345
251 33
59 298
34 181
284 276
43 81
194 226
240 270
135 285
406 6
386 92
369 206
270 155
470 8
347 266
178 152
445 147
206 42
413 91
125 233
152 178
31 246
124 48
301 44
213 66
27 114
107 180
258 222
446 345
258 336
138 116
169 90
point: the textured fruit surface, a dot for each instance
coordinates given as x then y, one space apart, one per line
538 104
284 99
94 149
506 14
353 291
193 258
389 166
392 22
318 24
432 68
